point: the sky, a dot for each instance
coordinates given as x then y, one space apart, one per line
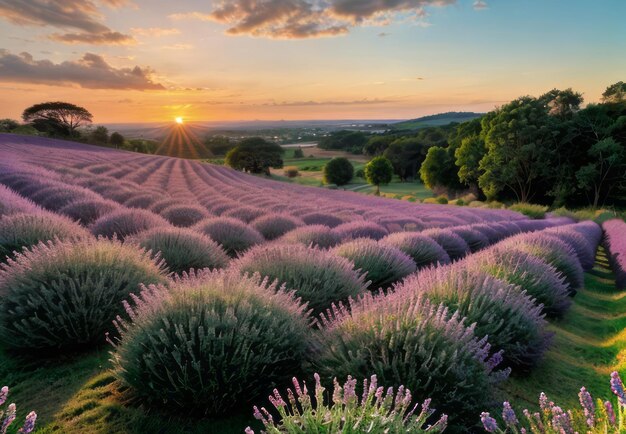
210 60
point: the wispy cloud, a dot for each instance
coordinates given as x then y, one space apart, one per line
293 19
480 5
90 71
177 47
328 103
154 31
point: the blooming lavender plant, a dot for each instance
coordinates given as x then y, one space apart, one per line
597 417
375 411
8 416
615 240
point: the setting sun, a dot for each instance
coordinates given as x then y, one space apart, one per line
179 120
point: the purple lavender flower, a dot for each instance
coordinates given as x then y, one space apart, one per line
29 424
508 414
4 392
249 430
489 422
618 388
543 402
9 418
610 412
586 401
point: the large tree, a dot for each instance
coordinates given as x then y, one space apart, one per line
468 157
406 155
605 171
255 155
379 171
57 113
615 93
338 171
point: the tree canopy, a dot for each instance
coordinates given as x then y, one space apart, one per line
255 155
338 171
58 117
379 171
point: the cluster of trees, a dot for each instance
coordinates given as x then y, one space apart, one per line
255 155
345 140
545 149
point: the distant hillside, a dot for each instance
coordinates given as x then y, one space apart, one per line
435 120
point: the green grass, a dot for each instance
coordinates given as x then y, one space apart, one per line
78 394
589 344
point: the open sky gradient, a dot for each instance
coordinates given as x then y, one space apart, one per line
153 60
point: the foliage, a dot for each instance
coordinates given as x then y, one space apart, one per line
63 295
467 158
376 145
184 215
406 155
530 210
502 311
313 235
291 171
255 155
233 235
272 226
383 263
241 337
125 222
415 343
615 236
99 135
376 411
8 125
10 413
298 153
474 238
615 93
88 210
438 169
351 141
593 417
604 171
453 244
116 140
318 276
360 229
182 249
338 171
68 116
378 171
25 230
422 249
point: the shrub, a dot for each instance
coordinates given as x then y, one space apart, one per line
64 294
360 229
492 234
383 263
25 230
539 279
291 171
531 210
56 197
160 205
184 215
453 244
316 235
9 415
615 236
474 239
141 200
509 317
319 277
422 249
376 412
245 213
13 203
88 211
272 226
318 218
591 231
233 235
126 222
584 251
553 251
442 200
182 249
338 171
240 336
593 417
416 344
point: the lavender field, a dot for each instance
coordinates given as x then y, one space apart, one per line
141 293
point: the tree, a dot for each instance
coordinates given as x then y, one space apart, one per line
298 153
376 145
116 140
64 114
218 145
562 103
99 136
606 169
255 155
338 171
6 125
406 155
379 171
468 157
520 150
345 140
615 93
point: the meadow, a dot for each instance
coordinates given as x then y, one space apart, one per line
149 294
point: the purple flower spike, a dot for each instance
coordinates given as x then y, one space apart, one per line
610 412
618 388
586 401
4 392
489 422
29 424
509 415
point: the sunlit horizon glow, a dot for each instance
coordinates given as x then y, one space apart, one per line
179 120
153 61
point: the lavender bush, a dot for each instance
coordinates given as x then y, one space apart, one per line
233 235
8 415
415 343
615 240
13 203
126 222
376 411
88 211
320 218
182 249
510 318
241 337
585 251
474 239
272 226
360 229
318 276
422 249
593 416
65 294
382 263
184 215
312 235
454 245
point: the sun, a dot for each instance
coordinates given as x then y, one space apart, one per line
179 120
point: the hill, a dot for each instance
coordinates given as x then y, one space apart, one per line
436 120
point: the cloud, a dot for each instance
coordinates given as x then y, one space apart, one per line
91 71
480 5
81 15
292 19
383 34
328 103
154 31
177 47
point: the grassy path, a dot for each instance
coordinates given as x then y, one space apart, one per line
588 345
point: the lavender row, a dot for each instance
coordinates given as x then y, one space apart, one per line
615 240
